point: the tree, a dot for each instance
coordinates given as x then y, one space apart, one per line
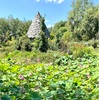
90 23
57 32
7 36
43 39
43 44
25 26
4 27
12 27
76 17
18 27
57 26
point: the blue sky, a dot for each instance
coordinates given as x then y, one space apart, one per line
55 10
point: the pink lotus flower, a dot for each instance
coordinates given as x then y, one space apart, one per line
21 77
38 60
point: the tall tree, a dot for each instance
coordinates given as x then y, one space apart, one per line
76 16
4 27
90 23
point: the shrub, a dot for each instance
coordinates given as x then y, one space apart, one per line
78 49
52 44
93 43
23 43
67 36
47 57
85 37
41 43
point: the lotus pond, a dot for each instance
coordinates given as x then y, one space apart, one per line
66 78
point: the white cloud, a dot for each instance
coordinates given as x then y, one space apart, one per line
49 26
46 21
55 1
37 0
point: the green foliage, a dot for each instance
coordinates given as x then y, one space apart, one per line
56 34
90 22
67 36
57 26
59 34
23 43
18 27
30 57
78 49
83 20
64 41
4 28
11 27
52 43
85 37
68 79
93 43
41 43
42 24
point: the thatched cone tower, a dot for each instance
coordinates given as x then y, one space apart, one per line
35 27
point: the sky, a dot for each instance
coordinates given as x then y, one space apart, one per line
53 10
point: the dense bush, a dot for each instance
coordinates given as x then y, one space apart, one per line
52 44
79 49
41 42
93 43
23 43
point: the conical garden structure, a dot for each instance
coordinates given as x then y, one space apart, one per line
35 27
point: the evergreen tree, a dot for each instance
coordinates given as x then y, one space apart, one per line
43 44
